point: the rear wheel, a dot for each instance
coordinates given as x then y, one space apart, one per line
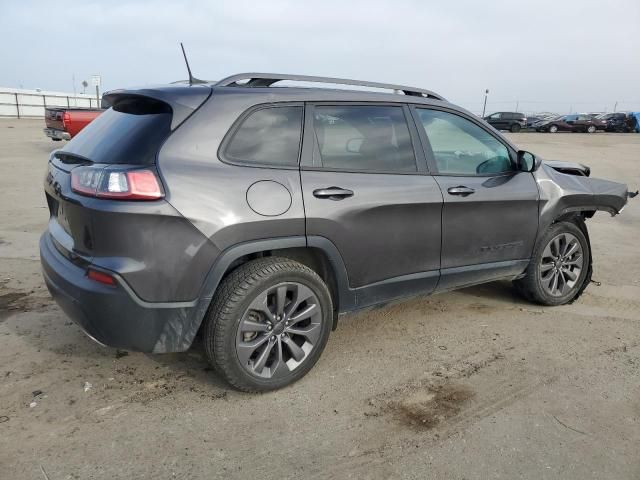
515 128
591 129
553 129
269 322
560 267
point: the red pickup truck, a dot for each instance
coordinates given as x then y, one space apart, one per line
66 123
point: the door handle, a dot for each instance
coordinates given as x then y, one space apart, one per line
333 193
461 190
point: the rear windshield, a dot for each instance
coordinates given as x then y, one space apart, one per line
118 137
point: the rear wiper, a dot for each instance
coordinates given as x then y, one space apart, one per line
72 159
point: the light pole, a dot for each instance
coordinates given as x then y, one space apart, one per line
486 93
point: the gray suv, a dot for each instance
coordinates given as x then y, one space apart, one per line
256 215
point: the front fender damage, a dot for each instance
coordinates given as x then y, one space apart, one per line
561 194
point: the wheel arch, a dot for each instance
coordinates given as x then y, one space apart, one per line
577 215
317 253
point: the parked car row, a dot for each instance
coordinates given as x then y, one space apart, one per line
575 122
584 123
621 121
65 123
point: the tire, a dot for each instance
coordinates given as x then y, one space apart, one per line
515 128
536 285
591 129
248 309
553 129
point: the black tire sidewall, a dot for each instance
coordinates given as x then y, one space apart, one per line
226 327
556 229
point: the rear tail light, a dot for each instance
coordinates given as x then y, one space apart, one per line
116 184
66 118
100 277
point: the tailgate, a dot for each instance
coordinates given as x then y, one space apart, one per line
53 118
69 221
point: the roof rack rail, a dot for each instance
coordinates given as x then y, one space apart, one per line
268 79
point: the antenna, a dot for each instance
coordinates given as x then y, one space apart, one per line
192 79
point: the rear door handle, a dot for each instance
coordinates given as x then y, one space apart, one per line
333 193
461 190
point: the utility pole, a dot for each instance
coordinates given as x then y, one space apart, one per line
517 104
484 108
615 106
96 80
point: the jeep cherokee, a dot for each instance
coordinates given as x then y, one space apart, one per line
257 215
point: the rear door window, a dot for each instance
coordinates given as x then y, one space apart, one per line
268 136
372 138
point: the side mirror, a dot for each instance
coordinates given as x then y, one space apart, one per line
527 161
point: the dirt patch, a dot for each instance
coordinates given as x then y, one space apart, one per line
428 407
11 301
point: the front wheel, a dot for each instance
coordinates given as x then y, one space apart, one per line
560 267
515 128
553 129
591 129
268 324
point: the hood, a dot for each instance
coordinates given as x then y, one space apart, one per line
570 168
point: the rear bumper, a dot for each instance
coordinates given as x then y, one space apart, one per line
114 315
56 134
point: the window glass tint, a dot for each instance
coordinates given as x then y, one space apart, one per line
268 136
495 116
117 137
461 147
374 138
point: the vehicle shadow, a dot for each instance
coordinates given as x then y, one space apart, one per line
144 377
502 291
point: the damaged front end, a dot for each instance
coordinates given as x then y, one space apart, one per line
566 187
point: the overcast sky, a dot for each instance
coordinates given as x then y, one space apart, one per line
557 55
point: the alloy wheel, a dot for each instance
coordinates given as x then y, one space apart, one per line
278 331
561 264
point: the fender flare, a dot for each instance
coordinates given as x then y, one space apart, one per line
180 332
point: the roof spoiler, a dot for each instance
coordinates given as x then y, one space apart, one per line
182 101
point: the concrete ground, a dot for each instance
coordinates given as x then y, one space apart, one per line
473 384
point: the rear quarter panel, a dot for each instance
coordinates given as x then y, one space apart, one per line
213 194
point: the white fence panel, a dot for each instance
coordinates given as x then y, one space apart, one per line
31 103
